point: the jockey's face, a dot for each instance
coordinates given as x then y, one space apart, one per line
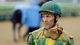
48 20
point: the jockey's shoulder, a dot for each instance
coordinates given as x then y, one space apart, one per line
67 35
37 31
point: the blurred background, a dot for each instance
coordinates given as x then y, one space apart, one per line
70 19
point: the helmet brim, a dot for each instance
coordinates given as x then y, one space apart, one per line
42 12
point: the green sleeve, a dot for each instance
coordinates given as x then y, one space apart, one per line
70 42
30 40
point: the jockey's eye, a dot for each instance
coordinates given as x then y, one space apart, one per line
47 16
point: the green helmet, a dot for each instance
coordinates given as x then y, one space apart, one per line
51 7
